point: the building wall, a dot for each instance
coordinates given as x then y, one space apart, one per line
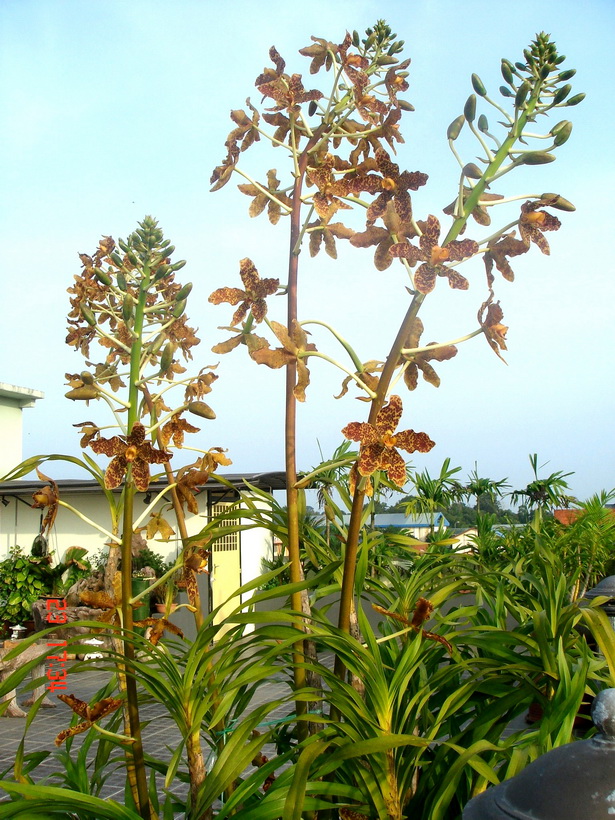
11 432
19 524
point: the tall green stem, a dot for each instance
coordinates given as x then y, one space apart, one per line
354 526
290 431
132 703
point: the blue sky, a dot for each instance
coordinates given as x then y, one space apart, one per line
119 108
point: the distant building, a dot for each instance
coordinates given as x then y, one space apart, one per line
417 526
12 401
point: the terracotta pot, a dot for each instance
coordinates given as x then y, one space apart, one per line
162 609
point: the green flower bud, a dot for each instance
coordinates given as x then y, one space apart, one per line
567 75
184 292
507 71
85 393
157 344
557 201
477 85
121 282
520 66
535 158
87 315
483 124
199 408
123 245
405 105
455 127
166 360
371 39
161 272
469 109
128 307
545 71
562 93
505 92
179 308
355 39
522 92
472 171
86 377
117 259
559 60
563 133
178 265
102 276
384 59
576 99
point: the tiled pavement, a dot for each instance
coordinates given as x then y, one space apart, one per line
159 731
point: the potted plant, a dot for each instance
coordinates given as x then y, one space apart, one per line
21 584
141 581
164 595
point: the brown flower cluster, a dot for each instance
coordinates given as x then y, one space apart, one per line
434 257
131 450
379 443
252 298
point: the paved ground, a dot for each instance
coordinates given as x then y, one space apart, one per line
159 731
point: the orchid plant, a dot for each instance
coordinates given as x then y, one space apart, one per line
340 169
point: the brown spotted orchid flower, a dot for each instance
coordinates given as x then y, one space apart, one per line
395 187
155 628
294 347
321 53
261 200
395 84
175 429
89 714
89 431
133 451
422 612
330 188
47 497
420 361
480 213
533 223
395 231
490 318
368 375
497 252
183 336
433 257
252 298
379 443
322 232
286 92
201 385
246 337
193 476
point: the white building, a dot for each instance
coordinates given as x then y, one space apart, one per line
84 517
12 402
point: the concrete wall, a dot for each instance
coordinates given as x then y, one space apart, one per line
10 435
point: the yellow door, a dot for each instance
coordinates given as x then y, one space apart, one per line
225 569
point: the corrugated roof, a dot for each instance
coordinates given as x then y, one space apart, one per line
263 481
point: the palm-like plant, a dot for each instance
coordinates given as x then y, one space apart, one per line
543 493
434 493
478 487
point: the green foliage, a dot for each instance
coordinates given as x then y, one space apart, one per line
22 582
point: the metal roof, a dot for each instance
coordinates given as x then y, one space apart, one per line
263 481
